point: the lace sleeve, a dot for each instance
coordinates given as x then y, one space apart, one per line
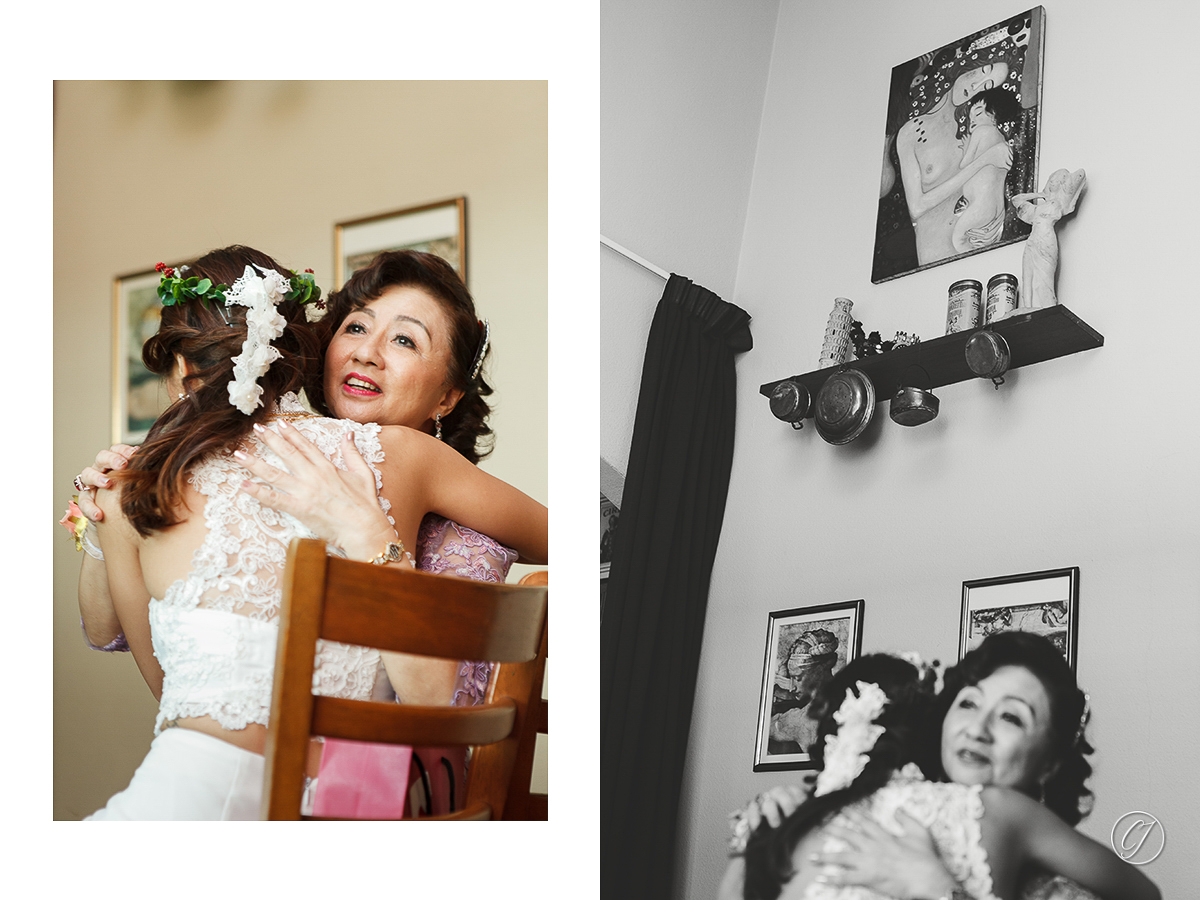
447 548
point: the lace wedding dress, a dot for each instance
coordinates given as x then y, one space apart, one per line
951 812
214 631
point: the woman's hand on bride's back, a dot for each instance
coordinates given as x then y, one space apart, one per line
339 505
96 476
904 865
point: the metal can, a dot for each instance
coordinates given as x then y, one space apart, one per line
965 307
1001 298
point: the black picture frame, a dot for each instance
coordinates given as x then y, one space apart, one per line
1045 602
805 647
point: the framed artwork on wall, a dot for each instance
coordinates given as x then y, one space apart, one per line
805 648
438 228
139 396
961 139
1045 603
608 523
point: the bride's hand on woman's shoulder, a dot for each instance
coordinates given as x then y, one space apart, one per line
771 806
96 476
777 803
339 505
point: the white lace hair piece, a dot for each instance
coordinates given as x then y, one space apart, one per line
846 751
261 294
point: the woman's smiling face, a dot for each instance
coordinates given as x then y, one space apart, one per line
388 361
998 732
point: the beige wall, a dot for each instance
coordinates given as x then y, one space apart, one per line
1086 461
150 171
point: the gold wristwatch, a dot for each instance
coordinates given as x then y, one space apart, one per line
393 552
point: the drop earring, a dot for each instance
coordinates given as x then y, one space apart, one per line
437 421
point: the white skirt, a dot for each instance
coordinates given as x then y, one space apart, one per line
190 776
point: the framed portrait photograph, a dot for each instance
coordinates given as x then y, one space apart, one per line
961 139
608 524
805 648
438 228
139 396
1045 603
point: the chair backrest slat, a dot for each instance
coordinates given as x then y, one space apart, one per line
395 723
469 620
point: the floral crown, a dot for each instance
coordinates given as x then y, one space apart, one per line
174 289
261 290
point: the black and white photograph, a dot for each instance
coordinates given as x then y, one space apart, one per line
805 649
982 432
1043 603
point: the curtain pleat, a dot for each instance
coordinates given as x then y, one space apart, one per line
663 550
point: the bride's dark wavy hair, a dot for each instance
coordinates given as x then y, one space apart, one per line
208 336
1066 794
906 738
465 427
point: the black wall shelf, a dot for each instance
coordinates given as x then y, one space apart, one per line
1032 337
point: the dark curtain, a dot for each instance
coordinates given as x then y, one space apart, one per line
664 544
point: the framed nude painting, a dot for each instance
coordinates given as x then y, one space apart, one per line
438 228
961 139
805 648
1045 603
139 396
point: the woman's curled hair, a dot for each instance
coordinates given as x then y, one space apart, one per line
1066 795
465 427
208 334
906 722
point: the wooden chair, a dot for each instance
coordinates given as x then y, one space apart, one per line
398 609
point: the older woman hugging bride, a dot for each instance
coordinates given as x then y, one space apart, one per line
1006 732
184 523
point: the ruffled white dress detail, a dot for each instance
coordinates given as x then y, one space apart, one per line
951 812
215 630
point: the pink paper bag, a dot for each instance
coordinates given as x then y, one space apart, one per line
358 780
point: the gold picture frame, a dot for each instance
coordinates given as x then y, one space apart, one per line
439 228
139 396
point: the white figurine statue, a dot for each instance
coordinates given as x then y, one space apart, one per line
1042 211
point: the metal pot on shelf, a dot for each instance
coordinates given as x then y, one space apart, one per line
790 401
914 405
844 406
988 356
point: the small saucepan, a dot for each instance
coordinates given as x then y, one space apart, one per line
988 356
914 405
790 402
